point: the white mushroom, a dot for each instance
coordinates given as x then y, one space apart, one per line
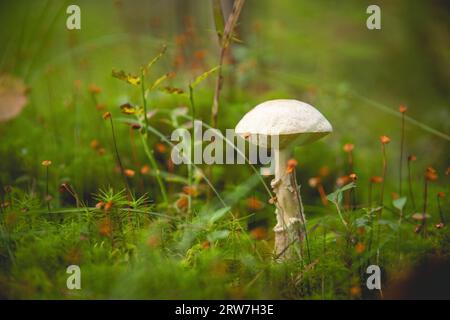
291 122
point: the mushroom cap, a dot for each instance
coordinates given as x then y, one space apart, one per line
286 119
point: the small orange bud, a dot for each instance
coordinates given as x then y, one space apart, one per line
376 179
182 202
129 173
46 163
402 108
206 245
412 157
348 147
394 195
99 205
107 115
314 182
200 54
95 144
360 247
441 194
145 169
342 181
254 203
324 171
355 291
108 205
353 176
385 139
431 174
94 89
258 233
161 148
190 191
291 164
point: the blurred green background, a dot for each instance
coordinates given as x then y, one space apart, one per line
319 52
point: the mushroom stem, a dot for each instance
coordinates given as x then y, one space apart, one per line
289 220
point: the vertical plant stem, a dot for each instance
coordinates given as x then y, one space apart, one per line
411 195
441 215
144 138
192 146
425 205
224 41
47 198
119 161
300 205
380 212
402 140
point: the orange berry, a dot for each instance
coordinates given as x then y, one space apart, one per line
402 108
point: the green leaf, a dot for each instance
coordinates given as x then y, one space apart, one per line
203 76
218 235
336 196
161 79
218 215
391 224
361 222
155 59
399 203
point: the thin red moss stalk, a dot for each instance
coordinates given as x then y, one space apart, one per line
441 215
411 158
402 110
107 116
